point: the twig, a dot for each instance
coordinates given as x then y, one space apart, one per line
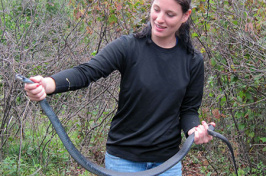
21 137
36 171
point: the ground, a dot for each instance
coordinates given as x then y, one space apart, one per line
193 163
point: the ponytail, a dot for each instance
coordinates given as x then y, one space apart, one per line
184 36
145 32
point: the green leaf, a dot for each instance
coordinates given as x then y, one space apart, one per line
94 53
252 134
235 22
242 126
213 62
194 34
112 19
263 139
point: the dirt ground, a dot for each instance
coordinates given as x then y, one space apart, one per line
192 168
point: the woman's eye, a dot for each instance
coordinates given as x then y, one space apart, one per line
170 14
156 10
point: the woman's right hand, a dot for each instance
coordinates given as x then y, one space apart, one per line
38 90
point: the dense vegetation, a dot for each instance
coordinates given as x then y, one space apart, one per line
45 36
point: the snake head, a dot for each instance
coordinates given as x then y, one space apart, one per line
23 78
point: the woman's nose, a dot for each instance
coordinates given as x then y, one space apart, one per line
160 18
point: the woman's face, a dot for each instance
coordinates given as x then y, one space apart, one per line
166 18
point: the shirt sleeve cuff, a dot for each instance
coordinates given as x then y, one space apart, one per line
188 122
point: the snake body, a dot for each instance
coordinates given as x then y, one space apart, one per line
101 171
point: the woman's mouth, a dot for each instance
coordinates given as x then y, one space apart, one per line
159 26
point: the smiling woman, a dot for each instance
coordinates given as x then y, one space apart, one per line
160 91
181 19
166 19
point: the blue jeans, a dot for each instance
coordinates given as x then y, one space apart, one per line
122 165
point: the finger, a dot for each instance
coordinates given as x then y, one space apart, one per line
36 79
37 94
201 130
207 136
203 134
213 124
35 90
210 138
205 125
199 138
192 130
37 98
29 87
196 136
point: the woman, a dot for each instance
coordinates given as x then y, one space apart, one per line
160 92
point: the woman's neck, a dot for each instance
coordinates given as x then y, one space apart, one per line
165 42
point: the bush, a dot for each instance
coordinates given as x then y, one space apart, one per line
44 37
231 34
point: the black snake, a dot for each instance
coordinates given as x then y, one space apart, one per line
101 171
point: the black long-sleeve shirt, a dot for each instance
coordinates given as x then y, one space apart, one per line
160 94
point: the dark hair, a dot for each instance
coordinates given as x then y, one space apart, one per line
183 32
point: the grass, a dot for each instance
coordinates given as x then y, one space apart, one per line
51 158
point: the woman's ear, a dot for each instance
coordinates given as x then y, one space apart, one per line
186 15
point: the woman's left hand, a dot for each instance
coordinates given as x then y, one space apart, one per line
201 133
